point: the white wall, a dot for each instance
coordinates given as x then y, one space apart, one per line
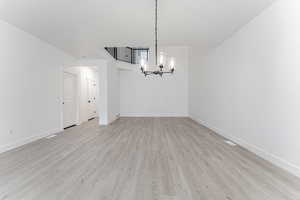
30 85
83 73
248 88
153 95
113 88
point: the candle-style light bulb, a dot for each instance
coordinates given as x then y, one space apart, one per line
142 63
161 59
172 64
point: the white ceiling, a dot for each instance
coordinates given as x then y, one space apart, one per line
83 27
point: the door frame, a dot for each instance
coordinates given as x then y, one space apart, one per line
62 97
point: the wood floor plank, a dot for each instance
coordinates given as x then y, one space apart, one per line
141 159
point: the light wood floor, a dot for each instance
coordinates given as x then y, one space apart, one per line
141 159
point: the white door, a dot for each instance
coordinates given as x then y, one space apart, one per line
69 102
92 106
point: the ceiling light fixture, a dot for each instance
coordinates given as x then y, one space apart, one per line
162 58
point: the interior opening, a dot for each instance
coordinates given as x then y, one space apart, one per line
80 95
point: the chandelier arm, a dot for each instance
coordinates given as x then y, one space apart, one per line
157 72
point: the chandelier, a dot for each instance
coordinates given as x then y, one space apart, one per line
161 68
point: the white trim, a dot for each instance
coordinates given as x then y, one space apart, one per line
61 98
28 140
279 162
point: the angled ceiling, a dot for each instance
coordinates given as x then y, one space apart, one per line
83 27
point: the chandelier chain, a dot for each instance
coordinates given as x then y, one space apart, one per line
156 32
161 69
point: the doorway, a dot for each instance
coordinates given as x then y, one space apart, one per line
69 100
81 92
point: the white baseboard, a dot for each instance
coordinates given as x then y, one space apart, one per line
279 162
22 142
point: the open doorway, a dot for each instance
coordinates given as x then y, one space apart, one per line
80 95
